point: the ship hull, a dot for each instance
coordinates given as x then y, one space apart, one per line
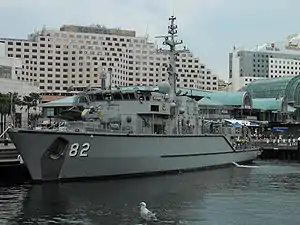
52 156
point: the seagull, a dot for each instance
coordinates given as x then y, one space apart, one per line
146 214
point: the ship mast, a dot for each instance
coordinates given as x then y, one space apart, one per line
172 52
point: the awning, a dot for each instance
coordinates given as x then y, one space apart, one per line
253 124
237 124
279 129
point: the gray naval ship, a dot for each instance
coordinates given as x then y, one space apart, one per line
113 132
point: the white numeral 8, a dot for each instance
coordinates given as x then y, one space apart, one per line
76 147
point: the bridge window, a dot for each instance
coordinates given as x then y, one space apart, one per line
117 96
132 96
126 96
99 97
154 108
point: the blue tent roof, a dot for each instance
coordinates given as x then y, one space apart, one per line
237 124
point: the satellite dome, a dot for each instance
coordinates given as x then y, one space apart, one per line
172 104
164 88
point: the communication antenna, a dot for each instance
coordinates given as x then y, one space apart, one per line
146 33
173 10
43 30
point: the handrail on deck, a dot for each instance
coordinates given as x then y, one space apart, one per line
4 132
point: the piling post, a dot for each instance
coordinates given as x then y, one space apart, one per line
298 149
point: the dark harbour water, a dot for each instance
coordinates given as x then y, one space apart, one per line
268 194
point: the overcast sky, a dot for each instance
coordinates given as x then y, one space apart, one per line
209 28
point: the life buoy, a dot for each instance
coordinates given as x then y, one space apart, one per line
84 112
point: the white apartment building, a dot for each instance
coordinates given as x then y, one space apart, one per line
270 60
10 69
77 55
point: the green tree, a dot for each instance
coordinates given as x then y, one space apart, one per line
8 103
3 111
31 101
4 103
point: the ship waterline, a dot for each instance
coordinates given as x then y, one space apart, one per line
61 155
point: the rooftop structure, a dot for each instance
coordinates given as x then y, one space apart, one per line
239 99
213 105
272 104
287 87
97 29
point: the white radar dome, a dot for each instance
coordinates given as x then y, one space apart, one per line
164 88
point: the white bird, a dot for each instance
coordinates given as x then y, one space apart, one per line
146 214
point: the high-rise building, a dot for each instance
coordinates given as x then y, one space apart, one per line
274 59
76 55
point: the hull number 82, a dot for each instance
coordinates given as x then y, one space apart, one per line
79 150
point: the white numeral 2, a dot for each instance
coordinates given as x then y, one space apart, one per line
74 149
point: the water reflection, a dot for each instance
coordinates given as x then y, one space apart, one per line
269 194
43 203
175 198
11 199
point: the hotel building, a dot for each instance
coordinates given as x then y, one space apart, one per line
271 60
76 56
